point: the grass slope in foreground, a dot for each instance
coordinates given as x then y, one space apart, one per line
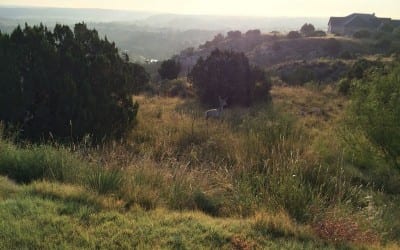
46 215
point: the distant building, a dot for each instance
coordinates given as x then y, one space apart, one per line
352 23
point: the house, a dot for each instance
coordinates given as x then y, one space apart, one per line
352 23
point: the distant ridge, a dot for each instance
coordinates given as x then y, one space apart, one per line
157 20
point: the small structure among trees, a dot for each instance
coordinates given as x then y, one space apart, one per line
357 21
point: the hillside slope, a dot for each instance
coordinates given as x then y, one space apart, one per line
269 50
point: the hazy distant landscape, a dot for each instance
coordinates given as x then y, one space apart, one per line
140 33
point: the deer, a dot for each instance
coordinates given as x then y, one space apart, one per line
217 113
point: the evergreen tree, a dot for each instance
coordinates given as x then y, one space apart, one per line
229 75
66 83
169 69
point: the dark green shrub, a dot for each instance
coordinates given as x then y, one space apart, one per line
361 67
66 84
226 74
169 69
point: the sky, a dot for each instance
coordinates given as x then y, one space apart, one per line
300 8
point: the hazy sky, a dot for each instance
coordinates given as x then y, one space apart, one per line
320 8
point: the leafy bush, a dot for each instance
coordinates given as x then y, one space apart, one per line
361 67
66 84
226 74
375 114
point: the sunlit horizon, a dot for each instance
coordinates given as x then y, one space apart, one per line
256 8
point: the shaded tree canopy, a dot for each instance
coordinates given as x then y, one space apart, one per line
234 34
307 29
169 69
67 83
229 75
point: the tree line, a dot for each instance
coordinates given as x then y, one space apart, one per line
68 83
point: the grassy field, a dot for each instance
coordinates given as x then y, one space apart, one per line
276 175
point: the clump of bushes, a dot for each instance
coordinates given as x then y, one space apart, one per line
362 67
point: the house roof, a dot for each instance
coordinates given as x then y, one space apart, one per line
363 21
359 20
336 20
